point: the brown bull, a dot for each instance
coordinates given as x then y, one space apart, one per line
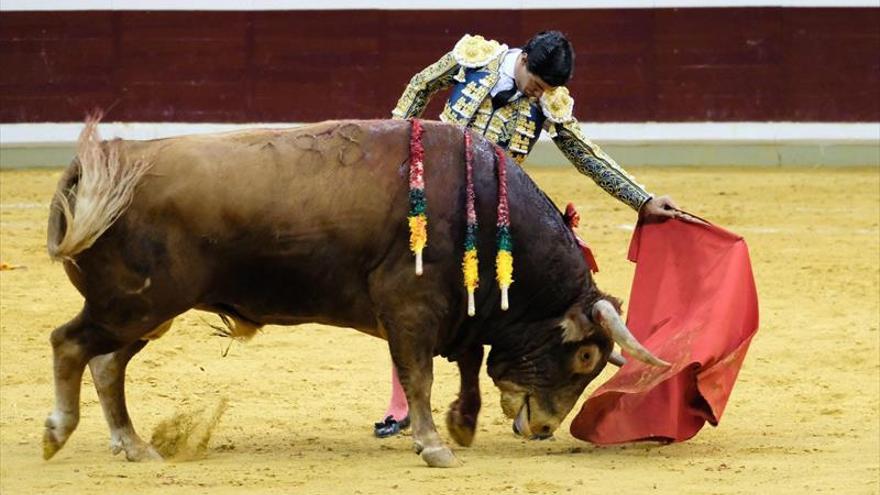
309 225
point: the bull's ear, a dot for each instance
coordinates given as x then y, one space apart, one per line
575 326
586 359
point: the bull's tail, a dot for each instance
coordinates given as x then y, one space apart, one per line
94 191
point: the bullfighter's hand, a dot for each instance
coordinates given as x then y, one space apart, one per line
660 208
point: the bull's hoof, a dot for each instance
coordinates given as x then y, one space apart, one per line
440 457
461 428
51 444
136 450
142 452
58 430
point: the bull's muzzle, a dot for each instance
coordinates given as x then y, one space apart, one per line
524 425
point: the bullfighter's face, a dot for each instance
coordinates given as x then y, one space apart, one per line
542 380
529 83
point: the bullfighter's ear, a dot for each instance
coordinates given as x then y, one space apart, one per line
575 326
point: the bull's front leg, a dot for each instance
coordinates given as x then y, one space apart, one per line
414 364
461 420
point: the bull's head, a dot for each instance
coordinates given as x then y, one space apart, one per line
542 377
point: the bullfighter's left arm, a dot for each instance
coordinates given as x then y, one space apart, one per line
586 156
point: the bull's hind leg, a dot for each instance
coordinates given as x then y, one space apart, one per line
73 345
108 373
461 420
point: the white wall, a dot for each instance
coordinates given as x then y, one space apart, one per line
629 133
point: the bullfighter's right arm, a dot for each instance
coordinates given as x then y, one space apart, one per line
437 76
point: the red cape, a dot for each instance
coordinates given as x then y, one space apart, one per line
693 304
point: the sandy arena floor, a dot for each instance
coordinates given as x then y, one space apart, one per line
803 417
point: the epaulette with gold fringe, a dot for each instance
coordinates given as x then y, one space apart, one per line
476 51
557 105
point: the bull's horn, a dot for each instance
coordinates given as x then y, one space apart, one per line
616 359
605 314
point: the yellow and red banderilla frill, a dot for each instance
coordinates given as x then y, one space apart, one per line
418 220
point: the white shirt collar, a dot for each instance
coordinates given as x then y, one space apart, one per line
508 65
507 77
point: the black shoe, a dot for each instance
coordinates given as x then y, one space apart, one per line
390 427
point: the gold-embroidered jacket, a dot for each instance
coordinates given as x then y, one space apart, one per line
472 68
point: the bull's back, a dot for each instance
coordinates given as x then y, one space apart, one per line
282 225
308 183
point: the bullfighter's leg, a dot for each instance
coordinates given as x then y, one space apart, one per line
396 417
461 420
108 373
73 345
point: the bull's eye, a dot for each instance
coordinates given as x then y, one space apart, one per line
586 359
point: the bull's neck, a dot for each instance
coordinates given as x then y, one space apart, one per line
550 277
550 273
